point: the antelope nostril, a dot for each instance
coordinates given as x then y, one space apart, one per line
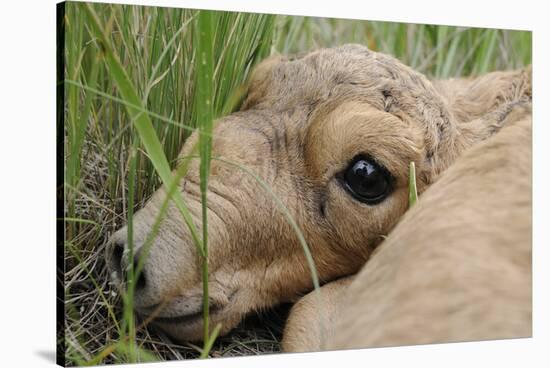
118 262
116 258
140 282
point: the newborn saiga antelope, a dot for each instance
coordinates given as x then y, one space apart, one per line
332 133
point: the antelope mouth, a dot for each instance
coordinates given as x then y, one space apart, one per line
184 318
185 313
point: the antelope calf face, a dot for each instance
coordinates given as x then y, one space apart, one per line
332 134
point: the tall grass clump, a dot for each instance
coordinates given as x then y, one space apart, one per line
137 81
134 94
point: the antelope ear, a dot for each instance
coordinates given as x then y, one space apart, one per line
482 128
479 107
483 105
260 80
471 99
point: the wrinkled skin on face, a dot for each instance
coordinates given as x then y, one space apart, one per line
304 122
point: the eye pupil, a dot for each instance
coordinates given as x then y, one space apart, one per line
367 181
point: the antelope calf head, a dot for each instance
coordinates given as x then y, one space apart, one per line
332 134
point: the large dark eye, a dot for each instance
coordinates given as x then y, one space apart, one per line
367 181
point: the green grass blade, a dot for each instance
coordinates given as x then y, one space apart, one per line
205 69
131 279
487 54
208 344
79 220
413 193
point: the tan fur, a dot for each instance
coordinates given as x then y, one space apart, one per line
311 320
303 121
456 268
